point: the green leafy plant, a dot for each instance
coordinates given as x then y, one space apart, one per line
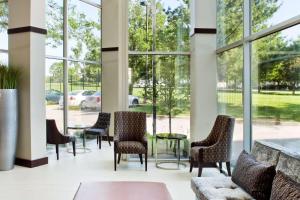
8 77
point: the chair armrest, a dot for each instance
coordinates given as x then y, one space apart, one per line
214 153
145 141
200 143
116 138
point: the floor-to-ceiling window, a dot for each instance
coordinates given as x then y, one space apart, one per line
259 70
73 54
3 33
159 58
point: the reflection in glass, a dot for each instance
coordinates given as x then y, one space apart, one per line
229 21
275 88
267 13
230 93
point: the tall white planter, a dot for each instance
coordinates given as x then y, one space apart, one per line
8 128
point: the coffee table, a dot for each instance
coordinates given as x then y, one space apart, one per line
123 190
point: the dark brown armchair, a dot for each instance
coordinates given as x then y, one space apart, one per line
130 135
55 137
216 148
100 128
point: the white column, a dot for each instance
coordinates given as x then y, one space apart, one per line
203 68
114 57
27 52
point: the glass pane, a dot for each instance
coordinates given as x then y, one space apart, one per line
84 98
54 24
267 13
140 25
229 21
173 94
54 92
141 89
276 88
84 31
173 101
230 93
3 26
172 25
3 58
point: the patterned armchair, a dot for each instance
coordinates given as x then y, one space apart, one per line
100 128
130 135
216 148
55 137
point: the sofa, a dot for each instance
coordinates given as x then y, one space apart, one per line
222 188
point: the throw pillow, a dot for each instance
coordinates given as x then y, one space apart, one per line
254 177
285 188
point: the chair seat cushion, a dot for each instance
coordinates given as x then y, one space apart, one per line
95 131
217 188
131 147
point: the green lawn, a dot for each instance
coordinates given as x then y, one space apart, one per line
267 105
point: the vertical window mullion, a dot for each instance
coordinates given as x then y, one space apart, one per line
65 64
247 92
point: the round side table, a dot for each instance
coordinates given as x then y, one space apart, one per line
81 128
173 137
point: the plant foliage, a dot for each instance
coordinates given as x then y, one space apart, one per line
8 77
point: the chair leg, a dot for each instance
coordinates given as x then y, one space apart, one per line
115 161
100 140
74 148
97 139
220 167
146 161
228 168
108 139
57 151
119 158
191 165
199 170
141 158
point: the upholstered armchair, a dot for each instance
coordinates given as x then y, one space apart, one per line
100 128
216 148
130 135
55 137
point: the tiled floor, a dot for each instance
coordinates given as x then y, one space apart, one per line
59 180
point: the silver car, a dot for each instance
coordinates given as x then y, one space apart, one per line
94 101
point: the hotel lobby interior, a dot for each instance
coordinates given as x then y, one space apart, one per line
149 99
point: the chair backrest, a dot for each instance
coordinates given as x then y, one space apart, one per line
130 126
223 127
103 121
53 134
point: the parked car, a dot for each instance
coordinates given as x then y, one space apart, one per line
77 98
94 101
53 96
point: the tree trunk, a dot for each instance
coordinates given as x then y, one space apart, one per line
170 122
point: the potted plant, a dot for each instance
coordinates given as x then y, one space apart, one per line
8 116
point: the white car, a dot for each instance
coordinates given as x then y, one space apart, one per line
76 98
94 101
